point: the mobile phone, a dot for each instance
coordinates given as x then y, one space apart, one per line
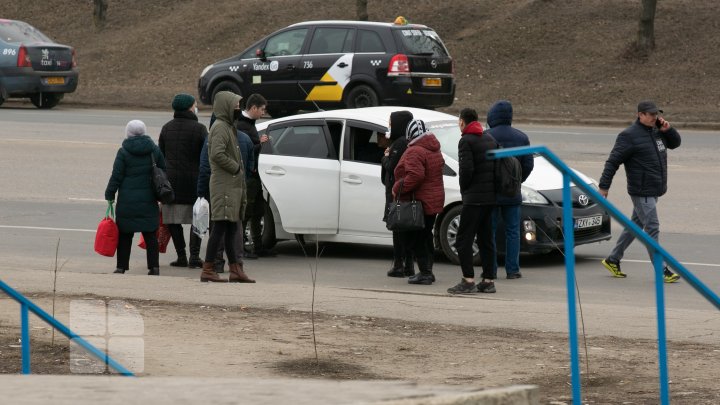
658 123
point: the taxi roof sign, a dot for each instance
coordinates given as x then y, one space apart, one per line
400 20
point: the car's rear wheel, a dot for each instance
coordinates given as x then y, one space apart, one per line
225 86
448 234
268 229
46 101
361 96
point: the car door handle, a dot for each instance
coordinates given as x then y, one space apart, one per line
290 67
274 171
342 64
352 180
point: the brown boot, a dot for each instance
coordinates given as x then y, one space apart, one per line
237 275
208 274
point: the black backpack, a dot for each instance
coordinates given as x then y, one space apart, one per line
508 176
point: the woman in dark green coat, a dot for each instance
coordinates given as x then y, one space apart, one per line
137 207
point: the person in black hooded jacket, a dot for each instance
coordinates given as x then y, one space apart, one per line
402 257
642 149
499 118
181 141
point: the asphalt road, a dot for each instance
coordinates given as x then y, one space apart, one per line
54 167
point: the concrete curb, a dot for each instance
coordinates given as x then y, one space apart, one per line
115 390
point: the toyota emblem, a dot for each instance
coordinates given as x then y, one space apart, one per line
583 200
433 63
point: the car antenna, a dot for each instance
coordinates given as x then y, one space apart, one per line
313 101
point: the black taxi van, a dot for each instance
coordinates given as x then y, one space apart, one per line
337 64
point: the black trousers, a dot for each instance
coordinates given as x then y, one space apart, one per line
476 222
402 255
222 232
125 244
178 239
420 244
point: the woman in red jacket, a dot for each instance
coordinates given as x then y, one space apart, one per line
419 175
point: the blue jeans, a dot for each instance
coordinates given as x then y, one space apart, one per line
511 218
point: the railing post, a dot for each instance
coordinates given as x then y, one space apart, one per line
25 338
569 231
662 338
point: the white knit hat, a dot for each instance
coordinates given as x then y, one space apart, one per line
134 128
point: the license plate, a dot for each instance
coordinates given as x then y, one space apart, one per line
431 82
55 80
588 222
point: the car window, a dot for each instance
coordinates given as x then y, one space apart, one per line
448 134
330 40
364 146
18 31
303 141
286 43
369 41
421 41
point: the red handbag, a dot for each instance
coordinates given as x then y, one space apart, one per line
106 237
163 236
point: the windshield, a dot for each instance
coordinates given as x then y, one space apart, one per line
20 32
448 134
421 42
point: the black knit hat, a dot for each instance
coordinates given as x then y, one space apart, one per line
398 123
182 102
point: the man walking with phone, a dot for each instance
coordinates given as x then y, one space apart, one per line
642 148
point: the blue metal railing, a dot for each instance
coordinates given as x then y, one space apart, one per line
658 255
27 305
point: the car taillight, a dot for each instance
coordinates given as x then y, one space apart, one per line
74 58
23 57
399 64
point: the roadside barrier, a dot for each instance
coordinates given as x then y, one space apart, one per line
658 254
27 305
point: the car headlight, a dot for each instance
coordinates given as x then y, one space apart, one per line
208 67
530 196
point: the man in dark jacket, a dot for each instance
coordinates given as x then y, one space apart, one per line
642 148
477 188
254 109
181 141
499 118
402 256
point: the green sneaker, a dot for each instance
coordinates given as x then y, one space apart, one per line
614 268
670 277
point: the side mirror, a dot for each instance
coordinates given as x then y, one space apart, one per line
260 53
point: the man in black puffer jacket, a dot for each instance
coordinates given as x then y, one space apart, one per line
499 118
477 187
181 141
642 148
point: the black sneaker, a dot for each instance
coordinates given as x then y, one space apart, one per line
421 278
512 276
463 287
486 287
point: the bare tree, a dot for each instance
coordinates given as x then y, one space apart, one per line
100 13
646 29
362 12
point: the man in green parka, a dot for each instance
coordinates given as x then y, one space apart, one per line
227 188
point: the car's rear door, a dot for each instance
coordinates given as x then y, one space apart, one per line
327 64
362 194
300 169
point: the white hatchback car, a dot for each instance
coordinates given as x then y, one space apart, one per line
321 172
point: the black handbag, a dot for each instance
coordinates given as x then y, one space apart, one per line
161 185
405 215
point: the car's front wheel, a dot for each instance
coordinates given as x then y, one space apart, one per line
448 235
361 96
225 86
46 101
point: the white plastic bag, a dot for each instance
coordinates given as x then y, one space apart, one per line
201 217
